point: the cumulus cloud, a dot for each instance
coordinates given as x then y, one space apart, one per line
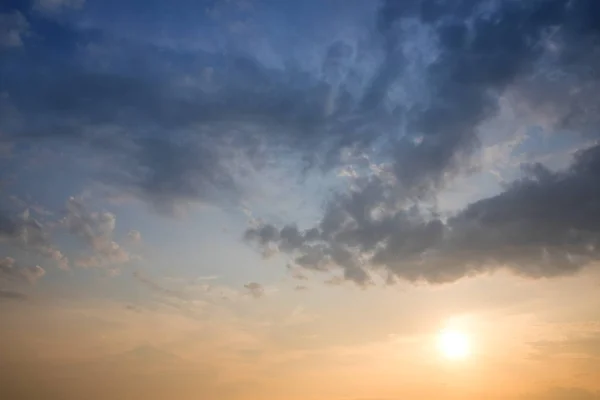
256 290
61 260
30 234
96 229
11 271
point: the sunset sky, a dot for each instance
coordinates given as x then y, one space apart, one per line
300 200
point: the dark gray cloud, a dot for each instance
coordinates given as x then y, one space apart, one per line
541 226
170 126
169 142
482 48
163 125
171 130
165 172
545 224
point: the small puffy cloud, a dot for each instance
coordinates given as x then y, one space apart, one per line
61 260
256 290
33 274
30 234
11 271
23 230
111 254
134 236
300 288
96 229
13 26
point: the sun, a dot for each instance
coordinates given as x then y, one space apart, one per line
454 344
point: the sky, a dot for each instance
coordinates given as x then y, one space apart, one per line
277 199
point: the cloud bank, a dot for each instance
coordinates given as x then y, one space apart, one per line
540 226
399 104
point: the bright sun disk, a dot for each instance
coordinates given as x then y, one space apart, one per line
454 344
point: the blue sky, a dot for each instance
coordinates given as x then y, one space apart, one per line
294 179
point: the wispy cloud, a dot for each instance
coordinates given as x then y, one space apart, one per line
55 6
256 290
12 295
13 26
157 287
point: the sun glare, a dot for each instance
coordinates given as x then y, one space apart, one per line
454 344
